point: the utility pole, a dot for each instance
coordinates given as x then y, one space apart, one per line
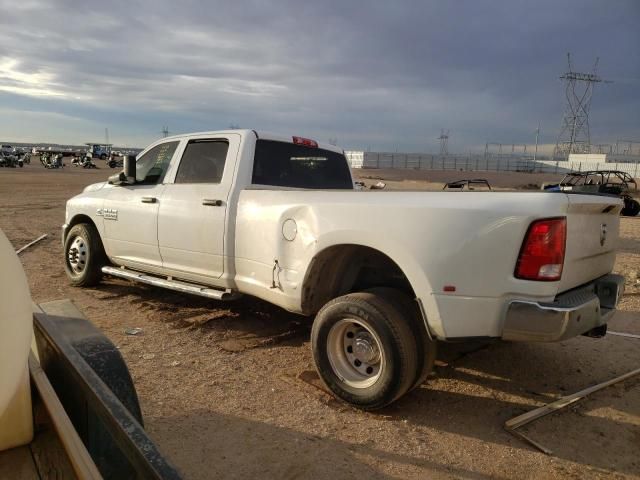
444 142
575 136
535 153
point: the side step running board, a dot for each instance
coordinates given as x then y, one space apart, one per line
171 284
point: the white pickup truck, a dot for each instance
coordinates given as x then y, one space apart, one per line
386 274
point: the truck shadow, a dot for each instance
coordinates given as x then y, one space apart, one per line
508 379
206 444
475 389
240 324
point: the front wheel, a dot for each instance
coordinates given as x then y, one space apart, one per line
364 350
84 255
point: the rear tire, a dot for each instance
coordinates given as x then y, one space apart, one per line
364 350
426 348
84 255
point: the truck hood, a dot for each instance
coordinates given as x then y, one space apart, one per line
94 187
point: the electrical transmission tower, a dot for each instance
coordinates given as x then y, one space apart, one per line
165 131
574 134
444 142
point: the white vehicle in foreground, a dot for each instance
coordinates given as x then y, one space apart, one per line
386 274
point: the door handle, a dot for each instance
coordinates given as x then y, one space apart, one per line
149 199
212 203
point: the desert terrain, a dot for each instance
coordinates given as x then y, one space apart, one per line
228 390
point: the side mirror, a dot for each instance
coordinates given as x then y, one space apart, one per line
129 164
128 174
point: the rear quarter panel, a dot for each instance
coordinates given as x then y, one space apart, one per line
470 240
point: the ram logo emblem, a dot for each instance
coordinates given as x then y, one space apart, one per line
107 213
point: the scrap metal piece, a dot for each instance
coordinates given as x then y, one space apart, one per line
41 237
517 422
531 441
623 334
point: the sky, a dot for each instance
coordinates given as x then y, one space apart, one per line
373 75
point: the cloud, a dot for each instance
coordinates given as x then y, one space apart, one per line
373 74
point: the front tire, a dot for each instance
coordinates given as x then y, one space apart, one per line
84 255
364 350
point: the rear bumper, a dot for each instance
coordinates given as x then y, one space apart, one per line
570 314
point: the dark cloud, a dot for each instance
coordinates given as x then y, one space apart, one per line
382 75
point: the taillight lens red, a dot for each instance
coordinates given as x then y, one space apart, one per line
542 253
307 142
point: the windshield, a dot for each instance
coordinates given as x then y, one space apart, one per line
285 164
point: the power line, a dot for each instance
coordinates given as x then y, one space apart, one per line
444 142
575 136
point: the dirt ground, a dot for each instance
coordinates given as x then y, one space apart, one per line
230 391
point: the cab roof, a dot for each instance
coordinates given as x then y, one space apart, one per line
260 134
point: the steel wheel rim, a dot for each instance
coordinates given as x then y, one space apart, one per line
355 353
78 255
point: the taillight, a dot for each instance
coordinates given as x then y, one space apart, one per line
542 253
307 142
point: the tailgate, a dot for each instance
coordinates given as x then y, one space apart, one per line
593 223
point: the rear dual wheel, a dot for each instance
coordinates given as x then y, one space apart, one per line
368 348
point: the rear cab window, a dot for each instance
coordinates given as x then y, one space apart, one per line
284 164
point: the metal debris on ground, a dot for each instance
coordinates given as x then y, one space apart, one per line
623 334
41 237
133 331
517 422
378 186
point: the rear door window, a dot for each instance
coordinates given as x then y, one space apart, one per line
202 162
285 164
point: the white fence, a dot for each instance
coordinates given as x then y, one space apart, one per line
471 162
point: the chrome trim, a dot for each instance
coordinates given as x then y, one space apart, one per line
171 284
423 314
570 314
64 228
